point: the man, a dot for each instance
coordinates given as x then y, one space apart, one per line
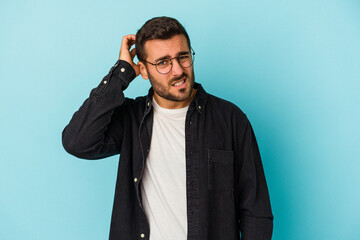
189 164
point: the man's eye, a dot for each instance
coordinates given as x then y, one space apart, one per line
184 58
162 63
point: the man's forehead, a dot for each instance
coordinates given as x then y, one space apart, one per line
166 47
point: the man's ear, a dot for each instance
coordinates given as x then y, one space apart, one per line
143 71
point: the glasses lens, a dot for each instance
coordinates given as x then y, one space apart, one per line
185 60
163 66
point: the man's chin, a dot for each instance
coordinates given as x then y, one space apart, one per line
185 94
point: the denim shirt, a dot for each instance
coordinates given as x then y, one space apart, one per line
226 190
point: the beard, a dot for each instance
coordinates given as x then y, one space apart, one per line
164 90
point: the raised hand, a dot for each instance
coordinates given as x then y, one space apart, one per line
126 54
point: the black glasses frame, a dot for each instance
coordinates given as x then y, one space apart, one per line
192 55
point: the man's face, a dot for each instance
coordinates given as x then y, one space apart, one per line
174 89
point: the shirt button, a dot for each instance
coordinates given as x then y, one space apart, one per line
148 104
142 235
199 107
122 69
105 82
135 179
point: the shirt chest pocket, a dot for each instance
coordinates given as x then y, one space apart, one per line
220 170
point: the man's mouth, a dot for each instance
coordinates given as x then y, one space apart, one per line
180 83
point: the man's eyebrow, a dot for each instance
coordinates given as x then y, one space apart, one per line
162 58
183 53
167 56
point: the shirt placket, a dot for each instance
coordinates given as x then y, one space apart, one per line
144 136
192 182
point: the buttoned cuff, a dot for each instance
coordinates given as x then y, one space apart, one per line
124 71
118 79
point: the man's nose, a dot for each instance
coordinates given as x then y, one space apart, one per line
176 70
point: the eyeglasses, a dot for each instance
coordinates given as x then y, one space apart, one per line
164 66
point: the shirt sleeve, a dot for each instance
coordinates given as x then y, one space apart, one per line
254 210
95 130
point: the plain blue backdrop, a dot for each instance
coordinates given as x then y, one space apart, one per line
292 66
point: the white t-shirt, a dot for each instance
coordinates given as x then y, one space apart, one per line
163 183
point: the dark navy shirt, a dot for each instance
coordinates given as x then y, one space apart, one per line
227 195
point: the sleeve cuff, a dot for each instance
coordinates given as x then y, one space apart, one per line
124 71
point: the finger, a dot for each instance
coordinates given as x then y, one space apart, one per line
128 41
133 53
131 36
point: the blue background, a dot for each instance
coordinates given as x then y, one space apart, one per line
292 66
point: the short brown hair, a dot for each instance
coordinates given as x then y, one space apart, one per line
158 28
